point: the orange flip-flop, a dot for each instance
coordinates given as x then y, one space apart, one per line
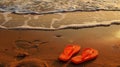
68 52
87 54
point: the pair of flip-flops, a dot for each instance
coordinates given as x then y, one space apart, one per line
70 50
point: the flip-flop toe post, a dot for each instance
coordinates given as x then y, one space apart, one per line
87 54
68 52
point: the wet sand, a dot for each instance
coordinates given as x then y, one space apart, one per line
20 45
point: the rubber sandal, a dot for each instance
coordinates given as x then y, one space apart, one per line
87 54
68 52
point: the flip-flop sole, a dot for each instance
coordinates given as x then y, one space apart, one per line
68 52
87 54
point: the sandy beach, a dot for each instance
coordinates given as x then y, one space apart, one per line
19 45
33 33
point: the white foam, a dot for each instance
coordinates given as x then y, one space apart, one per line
90 24
87 24
3 27
29 6
55 20
6 17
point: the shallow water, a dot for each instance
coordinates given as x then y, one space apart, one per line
59 20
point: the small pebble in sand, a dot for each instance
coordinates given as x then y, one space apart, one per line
58 36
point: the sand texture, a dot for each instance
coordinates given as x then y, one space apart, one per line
36 48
